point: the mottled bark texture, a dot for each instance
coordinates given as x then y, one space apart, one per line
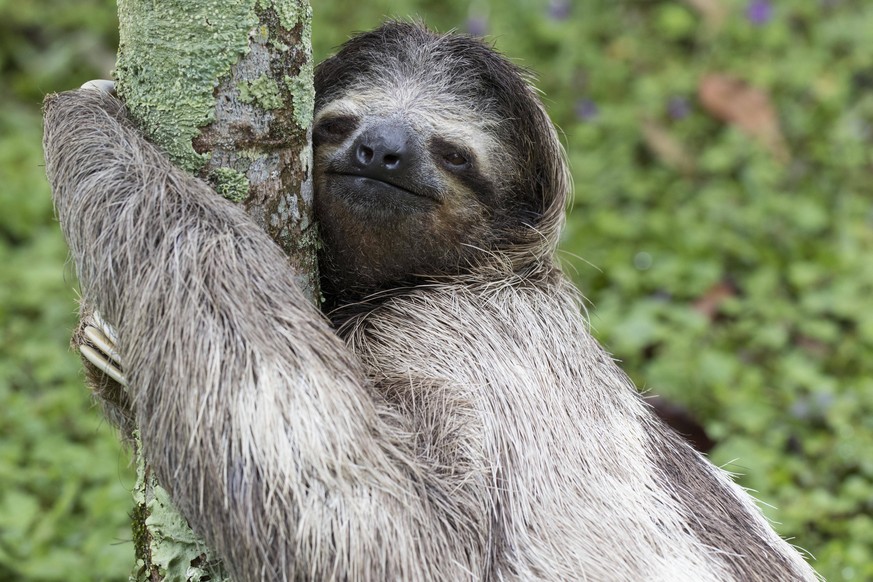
225 88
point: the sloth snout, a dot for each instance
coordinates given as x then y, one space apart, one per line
384 151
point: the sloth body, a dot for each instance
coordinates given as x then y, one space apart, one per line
456 421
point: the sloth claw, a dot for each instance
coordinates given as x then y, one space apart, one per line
103 343
100 349
107 329
102 363
103 85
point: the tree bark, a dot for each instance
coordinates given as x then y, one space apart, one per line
226 90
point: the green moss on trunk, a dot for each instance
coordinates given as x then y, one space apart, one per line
171 56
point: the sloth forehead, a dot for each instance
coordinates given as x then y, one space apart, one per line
411 70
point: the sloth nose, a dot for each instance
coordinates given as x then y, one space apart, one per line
383 151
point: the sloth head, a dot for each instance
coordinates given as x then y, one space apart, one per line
433 157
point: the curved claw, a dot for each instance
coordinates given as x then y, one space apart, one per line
102 363
107 329
104 344
104 85
101 352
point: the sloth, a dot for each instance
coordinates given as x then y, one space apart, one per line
452 418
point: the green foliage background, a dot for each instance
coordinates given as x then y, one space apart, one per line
781 373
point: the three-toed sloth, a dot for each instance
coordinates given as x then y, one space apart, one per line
453 419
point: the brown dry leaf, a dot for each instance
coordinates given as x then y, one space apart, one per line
733 100
667 148
713 12
708 304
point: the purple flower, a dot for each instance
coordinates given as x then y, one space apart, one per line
477 25
678 107
559 9
586 109
759 12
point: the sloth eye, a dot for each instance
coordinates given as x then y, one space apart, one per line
338 126
334 129
452 156
455 159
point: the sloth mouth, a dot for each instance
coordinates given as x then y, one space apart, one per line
370 184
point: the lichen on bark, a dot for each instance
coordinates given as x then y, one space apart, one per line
166 548
171 55
264 91
230 184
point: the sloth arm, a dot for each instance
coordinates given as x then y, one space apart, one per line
252 412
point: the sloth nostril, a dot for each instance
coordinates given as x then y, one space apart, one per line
391 161
383 150
365 154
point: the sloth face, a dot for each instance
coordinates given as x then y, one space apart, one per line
430 152
400 191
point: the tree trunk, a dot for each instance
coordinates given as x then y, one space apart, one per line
226 90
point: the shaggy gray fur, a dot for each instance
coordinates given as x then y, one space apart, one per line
468 429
